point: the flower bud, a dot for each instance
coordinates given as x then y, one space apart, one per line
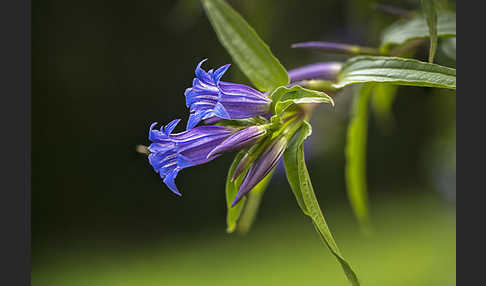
241 139
262 166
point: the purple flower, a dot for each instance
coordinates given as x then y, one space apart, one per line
171 153
210 97
265 163
325 70
246 137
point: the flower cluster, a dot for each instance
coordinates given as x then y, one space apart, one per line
221 104
211 98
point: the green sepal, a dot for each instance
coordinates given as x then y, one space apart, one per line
232 187
283 98
246 122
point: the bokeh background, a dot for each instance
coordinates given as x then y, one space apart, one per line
103 71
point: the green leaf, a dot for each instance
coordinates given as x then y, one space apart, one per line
449 47
430 11
291 168
246 48
404 31
300 183
400 71
241 216
252 204
232 188
356 155
283 97
382 101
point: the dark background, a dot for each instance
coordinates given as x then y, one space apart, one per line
103 71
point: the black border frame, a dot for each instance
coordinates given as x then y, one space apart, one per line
15 116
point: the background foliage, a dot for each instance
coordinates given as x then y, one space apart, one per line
102 72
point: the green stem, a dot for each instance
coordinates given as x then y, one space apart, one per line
360 50
319 85
250 212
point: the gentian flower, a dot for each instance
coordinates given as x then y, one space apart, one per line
265 163
170 153
210 97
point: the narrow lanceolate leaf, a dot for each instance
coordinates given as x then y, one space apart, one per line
291 168
253 204
382 102
246 48
232 187
404 31
356 155
283 97
301 185
400 71
430 12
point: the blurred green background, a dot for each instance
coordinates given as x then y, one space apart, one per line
104 70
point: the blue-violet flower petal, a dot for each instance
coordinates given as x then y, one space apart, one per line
170 153
241 139
210 97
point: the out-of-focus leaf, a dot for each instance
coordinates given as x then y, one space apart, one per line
246 48
232 188
338 48
416 28
430 12
301 185
356 155
382 101
401 71
252 205
283 97
449 47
